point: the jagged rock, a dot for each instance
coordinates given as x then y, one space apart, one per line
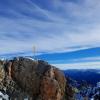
53 85
34 79
69 92
2 72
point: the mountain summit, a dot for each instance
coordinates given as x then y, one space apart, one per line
26 78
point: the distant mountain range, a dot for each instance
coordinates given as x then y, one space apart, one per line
92 76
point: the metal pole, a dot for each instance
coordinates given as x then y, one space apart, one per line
34 51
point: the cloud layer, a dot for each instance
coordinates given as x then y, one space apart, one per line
50 25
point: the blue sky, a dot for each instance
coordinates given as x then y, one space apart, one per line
65 32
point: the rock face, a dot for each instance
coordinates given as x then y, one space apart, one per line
69 93
25 78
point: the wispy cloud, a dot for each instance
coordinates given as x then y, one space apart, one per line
50 25
84 65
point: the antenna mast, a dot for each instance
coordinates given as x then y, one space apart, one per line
34 52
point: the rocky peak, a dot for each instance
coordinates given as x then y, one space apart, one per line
36 79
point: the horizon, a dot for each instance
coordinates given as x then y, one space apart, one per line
66 33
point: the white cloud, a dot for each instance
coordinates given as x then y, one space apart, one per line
84 65
69 25
88 59
79 63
